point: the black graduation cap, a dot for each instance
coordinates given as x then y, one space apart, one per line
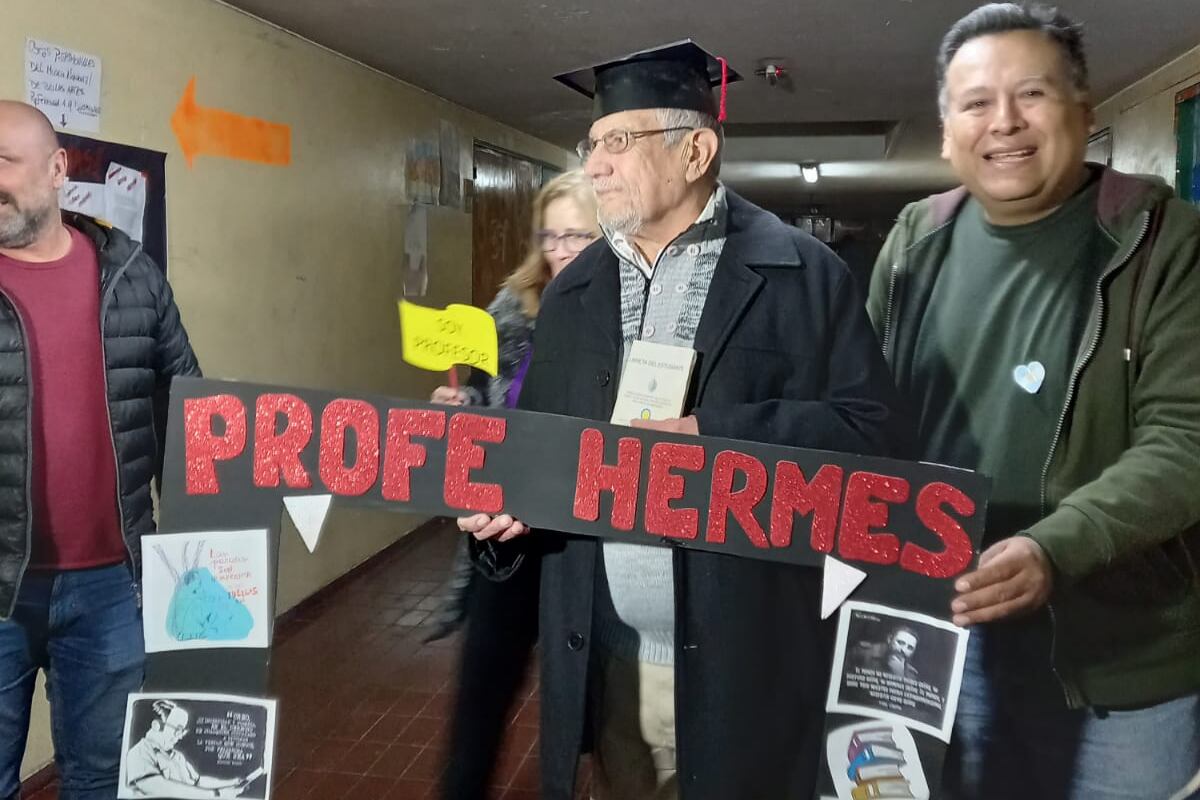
677 75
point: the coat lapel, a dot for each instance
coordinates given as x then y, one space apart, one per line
601 297
753 239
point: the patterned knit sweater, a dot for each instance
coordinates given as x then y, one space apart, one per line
661 303
514 332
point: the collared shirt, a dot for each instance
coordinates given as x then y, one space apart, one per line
662 302
625 250
145 760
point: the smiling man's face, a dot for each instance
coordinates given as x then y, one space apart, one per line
1015 127
32 168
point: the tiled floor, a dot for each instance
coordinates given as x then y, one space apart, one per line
363 704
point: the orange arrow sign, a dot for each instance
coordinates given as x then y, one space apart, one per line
212 132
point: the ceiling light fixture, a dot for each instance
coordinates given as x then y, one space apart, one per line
760 170
810 172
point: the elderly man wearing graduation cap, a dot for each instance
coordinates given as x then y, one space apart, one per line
688 674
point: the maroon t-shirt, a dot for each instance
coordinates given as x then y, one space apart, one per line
74 478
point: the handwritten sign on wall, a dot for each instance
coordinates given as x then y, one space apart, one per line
64 84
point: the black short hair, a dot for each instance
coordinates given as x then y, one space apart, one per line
1006 18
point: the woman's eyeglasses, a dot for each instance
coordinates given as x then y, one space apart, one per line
572 241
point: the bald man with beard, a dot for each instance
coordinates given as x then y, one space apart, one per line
26 206
90 338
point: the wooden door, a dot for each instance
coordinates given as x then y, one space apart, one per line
502 213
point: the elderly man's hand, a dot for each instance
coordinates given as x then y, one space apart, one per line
685 425
485 526
1014 577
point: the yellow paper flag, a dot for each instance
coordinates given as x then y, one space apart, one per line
437 339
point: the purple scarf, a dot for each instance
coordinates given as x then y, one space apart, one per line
514 388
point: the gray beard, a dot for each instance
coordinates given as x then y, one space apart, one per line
24 227
628 223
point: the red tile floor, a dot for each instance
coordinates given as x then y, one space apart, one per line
363 703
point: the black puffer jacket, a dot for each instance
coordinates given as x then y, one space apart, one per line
145 345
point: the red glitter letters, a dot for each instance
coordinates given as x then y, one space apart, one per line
663 487
861 513
278 454
402 453
723 500
594 476
339 416
203 448
958 550
463 455
794 495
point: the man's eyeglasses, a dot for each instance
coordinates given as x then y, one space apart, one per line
619 140
572 241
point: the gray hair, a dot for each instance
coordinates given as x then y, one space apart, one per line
687 118
1007 18
163 709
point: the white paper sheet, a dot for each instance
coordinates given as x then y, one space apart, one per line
125 199
206 589
83 198
63 84
184 745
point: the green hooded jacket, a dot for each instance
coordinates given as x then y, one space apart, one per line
1121 485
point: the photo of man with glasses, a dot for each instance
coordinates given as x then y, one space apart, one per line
155 767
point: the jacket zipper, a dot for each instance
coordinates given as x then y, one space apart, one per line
887 314
1073 697
28 454
889 322
105 297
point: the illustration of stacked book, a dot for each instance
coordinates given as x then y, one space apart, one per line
875 765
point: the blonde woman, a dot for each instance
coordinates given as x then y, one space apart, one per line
501 618
564 223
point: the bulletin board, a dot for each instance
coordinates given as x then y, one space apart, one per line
90 159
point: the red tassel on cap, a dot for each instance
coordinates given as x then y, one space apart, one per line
724 88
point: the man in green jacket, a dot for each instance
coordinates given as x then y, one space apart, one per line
1043 322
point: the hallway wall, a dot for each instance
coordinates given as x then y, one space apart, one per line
1142 118
284 274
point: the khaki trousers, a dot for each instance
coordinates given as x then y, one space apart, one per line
633 754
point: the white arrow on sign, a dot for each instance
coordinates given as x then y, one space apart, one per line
837 584
308 514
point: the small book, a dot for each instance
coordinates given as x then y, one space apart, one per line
655 382
886 788
873 736
874 754
874 771
876 736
